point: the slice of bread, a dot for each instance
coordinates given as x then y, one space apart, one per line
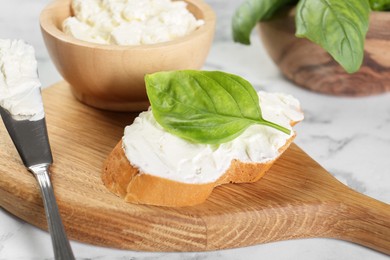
128 182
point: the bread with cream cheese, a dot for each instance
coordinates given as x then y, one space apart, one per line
128 182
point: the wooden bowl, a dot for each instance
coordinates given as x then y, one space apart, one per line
309 66
111 77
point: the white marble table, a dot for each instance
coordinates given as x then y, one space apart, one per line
350 137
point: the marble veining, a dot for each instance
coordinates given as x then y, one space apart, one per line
349 179
350 137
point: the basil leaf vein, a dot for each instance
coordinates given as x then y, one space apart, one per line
340 27
204 106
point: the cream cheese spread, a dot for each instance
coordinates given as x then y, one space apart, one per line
20 92
130 22
154 151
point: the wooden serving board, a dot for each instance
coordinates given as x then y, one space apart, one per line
297 198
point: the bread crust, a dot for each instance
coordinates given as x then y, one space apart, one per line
126 181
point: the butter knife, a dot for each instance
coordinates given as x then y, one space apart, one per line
32 143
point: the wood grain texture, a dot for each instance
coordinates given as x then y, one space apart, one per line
309 66
297 198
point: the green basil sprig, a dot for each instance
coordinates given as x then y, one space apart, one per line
380 5
339 26
209 107
250 12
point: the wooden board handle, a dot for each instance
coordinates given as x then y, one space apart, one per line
365 221
297 198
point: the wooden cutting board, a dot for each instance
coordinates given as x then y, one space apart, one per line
297 198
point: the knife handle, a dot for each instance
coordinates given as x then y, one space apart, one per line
61 245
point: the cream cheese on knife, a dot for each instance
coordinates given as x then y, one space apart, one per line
19 83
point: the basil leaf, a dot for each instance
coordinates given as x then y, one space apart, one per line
249 13
340 27
380 5
204 106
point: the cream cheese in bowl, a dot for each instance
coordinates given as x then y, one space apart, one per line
130 22
19 83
